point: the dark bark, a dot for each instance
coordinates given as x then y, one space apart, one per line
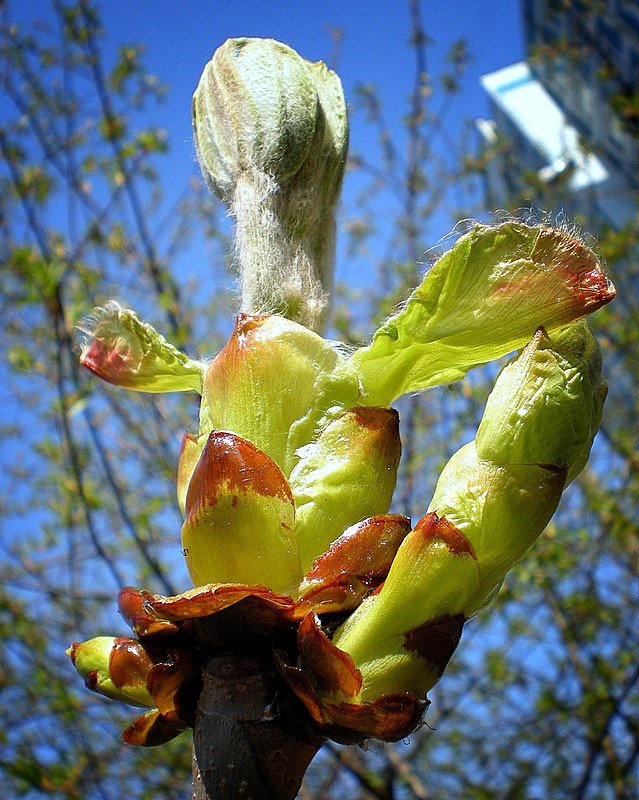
252 739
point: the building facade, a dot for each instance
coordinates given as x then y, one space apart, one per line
564 124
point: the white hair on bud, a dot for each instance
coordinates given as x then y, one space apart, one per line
527 215
284 245
88 325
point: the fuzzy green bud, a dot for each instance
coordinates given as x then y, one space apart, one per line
254 110
271 136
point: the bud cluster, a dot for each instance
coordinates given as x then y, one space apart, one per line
286 484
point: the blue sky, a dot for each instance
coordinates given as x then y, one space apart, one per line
373 50
180 37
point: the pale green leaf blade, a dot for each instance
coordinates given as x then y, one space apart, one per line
484 298
124 351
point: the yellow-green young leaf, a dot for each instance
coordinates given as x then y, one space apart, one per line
267 386
240 518
125 351
500 508
347 474
402 638
546 405
482 299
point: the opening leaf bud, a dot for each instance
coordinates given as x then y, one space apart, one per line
266 385
240 518
546 405
346 474
402 637
535 434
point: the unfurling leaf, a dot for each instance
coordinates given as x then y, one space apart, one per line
484 298
122 350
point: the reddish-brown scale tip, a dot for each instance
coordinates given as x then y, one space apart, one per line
203 601
149 730
91 680
391 717
230 356
436 640
133 606
233 465
128 662
431 526
366 550
245 323
188 437
333 669
377 418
